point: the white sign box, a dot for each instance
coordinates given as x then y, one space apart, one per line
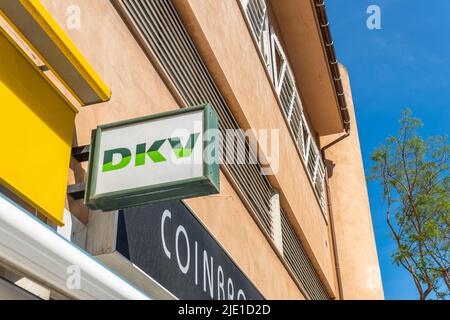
173 155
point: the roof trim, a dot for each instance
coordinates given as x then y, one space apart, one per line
332 61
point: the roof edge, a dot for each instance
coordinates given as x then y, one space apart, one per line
332 61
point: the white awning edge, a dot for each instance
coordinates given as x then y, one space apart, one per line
35 249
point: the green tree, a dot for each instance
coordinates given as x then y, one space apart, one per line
414 174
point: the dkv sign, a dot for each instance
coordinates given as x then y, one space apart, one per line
168 156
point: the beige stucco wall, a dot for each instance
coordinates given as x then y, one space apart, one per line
353 224
137 90
235 65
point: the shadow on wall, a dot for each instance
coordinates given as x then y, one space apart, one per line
329 166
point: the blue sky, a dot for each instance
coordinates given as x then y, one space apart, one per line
405 64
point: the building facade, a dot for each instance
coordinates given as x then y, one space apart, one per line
293 224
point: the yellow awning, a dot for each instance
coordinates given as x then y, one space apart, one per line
37 118
54 47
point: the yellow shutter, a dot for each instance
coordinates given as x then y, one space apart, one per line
36 128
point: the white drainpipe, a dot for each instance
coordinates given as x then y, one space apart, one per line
35 249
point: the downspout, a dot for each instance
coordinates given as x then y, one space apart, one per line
345 116
331 215
333 236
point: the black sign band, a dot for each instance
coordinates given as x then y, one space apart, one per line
168 243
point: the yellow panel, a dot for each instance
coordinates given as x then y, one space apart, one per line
60 38
36 128
53 46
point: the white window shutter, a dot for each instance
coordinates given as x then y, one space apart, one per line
256 12
283 80
279 65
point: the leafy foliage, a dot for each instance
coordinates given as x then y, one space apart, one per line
414 174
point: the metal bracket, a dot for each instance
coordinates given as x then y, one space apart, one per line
76 191
81 153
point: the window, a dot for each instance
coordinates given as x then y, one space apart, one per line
285 86
256 11
280 64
